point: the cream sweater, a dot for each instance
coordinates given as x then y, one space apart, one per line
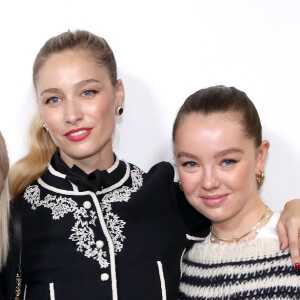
255 269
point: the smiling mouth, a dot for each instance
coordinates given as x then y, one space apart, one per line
215 200
214 197
78 132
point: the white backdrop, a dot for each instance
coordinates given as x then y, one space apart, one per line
166 50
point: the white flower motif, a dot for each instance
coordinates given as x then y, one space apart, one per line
82 233
114 224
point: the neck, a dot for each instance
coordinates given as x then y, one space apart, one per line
99 161
249 217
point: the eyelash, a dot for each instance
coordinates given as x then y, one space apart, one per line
90 91
189 163
228 162
52 98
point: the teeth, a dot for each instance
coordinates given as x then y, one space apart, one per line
78 133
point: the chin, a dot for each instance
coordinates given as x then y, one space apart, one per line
213 214
80 155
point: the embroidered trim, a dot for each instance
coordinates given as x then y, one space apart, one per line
58 174
162 280
25 292
83 234
75 188
114 224
114 166
194 238
118 184
82 231
54 172
51 289
110 247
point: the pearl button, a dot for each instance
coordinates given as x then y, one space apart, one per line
99 244
87 204
104 276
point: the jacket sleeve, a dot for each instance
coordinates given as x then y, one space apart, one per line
196 224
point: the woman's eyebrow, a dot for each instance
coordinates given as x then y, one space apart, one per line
186 154
78 84
84 82
228 151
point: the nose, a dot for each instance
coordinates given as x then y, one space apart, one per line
209 180
73 111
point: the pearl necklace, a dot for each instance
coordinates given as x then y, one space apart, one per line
266 215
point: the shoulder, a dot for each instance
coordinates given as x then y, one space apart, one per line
269 230
160 174
162 171
157 184
260 250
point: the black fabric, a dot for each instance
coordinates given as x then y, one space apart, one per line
95 181
8 273
144 225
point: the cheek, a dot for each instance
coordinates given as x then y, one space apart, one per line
104 110
189 181
243 179
52 118
190 184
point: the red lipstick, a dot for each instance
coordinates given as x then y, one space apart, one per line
79 134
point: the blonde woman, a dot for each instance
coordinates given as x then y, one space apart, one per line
93 226
4 204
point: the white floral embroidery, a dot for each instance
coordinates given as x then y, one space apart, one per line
59 205
114 224
82 233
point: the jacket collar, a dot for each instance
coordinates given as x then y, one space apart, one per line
97 181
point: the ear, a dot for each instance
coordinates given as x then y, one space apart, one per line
120 93
262 156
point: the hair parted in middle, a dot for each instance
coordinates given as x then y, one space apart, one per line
29 168
222 99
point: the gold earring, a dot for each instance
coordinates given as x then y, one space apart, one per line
45 128
180 185
260 177
119 110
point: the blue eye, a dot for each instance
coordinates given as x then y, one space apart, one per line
53 100
228 162
190 164
89 92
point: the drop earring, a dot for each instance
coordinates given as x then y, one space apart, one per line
260 177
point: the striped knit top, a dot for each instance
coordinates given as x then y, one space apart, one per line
255 269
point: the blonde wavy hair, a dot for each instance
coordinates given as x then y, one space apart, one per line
41 147
4 202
